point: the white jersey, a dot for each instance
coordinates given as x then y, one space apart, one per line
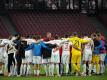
55 58
66 46
65 52
1 51
54 51
29 41
28 53
4 55
87 53
1 48
4 41
89 45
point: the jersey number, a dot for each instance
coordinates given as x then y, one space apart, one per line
76 43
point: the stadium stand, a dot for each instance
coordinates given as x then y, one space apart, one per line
31 22
4 33
103 18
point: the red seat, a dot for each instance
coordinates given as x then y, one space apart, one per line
59 23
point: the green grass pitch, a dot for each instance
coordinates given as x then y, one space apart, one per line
93 77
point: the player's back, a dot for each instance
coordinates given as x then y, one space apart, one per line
66 46
89 45
77 42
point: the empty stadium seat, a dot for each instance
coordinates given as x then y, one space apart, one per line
4 33
59 23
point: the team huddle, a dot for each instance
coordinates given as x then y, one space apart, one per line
85 56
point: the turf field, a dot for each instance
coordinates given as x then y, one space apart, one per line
94 77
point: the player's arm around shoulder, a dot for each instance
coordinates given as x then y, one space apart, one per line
30 46
70 39
92 44
83 41
44 45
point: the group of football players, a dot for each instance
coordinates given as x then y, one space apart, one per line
33 55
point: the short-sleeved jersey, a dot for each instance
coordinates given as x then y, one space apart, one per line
77 42
4 41
1 48
66 46
89 45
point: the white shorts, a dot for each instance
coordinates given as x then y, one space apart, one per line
1 58
4 57
37 60
45 61
28 56
65 57
87 55
102 56
24 61
55 58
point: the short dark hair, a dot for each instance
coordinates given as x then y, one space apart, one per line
17 35
37 37
56 36
85 34
66 36
94 35
74 34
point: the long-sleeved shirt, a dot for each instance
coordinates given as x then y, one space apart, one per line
20 46
47 53
103 48
76 41
97 46
37 48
